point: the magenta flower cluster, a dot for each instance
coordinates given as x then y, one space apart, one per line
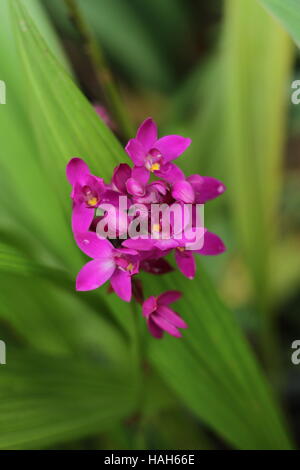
120 258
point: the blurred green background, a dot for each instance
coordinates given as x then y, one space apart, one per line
80 373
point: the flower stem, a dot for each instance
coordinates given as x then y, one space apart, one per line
138 360
102 71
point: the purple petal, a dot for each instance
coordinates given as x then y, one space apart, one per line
134 187
136 152
149 306
155 330
121 174
170 173
213 245
169 297
156 266
171 316
183 191
159 186
147 133
125 251
164 243
186 263
141 174
76 169
94 274
121 284
172 146
165 325
206 188
143 244
82 217
93 246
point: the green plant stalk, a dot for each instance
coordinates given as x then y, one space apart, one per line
102 71
138 349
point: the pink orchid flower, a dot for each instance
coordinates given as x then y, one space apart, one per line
87 191
160 317
109 263
152 155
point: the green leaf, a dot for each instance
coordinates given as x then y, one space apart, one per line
288 13
213 370
45 400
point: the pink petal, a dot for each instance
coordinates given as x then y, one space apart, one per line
121 284
82 217
94 274
93 246
76 169
170 173
206 188
155 330
159 186
134 187
141 174
183 191
143 244
165 325
169 297
121 174
172 146
149 306
164 243
213 245
171 316
186 263
136 152
147 133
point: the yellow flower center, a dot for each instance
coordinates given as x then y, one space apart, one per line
154 167
180 248
129 267
92 201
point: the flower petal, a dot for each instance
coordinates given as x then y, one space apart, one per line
134 187
82 217
155 330
76 169
172 146
121 174
121 284
169 297
94 274
165 325
186 263
93 246
147 133
213 245
143 244
156 266
149 306
171 316
183 191
170 173
136 152
206 188
141 174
